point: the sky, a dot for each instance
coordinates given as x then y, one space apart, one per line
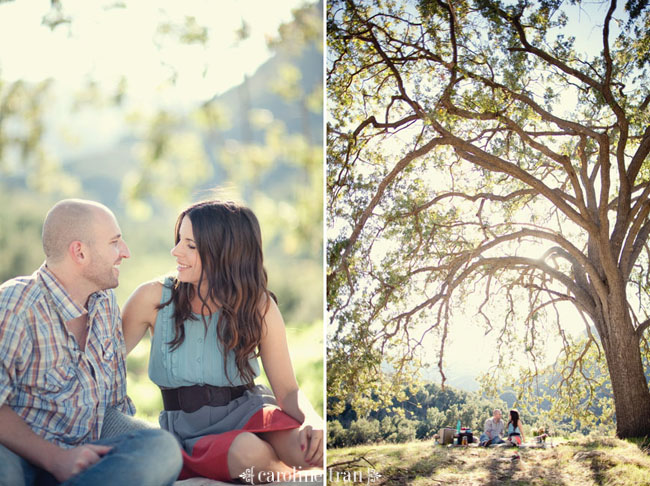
109 39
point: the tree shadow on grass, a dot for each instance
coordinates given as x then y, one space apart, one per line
643 443
598 466
503 469
501 472
495 469
425 466
595 443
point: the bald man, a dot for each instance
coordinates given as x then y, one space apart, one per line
63 365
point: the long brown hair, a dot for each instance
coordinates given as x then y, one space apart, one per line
514 418
229 241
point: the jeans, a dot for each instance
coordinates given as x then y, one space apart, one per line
494 440
140 458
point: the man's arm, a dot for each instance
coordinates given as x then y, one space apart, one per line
18 437
118 397
15 434
488 428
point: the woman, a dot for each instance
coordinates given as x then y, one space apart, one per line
219 301
515 429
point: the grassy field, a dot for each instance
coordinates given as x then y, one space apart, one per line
581 462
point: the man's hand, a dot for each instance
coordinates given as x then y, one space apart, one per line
311 443
70 462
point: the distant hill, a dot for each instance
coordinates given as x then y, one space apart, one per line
458 376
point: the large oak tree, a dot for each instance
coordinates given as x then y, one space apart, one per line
462 135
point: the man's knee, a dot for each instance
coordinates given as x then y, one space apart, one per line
164 449
159 456
13 469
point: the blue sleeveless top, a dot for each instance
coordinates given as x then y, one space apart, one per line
198 360
513 430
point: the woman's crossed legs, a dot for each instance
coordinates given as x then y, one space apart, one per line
269 456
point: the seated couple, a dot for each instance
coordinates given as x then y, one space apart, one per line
493 430
63 359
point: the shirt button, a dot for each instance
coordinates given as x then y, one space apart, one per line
200 340
198 360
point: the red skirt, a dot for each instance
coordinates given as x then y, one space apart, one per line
515 438
209 458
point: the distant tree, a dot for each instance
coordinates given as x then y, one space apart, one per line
362 431
336 434
405 430
422 413
434 421
474 151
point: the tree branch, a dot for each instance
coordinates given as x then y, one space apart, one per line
642 327
381 188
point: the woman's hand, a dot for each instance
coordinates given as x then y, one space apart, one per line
274 352
311 443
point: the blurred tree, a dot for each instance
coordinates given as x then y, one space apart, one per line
22 127
184 153
266 148
21 252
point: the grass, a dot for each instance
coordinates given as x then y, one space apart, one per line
583 462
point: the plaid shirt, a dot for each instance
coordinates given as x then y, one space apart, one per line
60 391
493 429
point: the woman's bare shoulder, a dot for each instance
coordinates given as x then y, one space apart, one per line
140 312
148 294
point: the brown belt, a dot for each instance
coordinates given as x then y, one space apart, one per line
191 398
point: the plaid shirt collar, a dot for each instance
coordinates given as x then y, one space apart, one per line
68 308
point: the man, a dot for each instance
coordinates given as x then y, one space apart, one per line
492 430
62 364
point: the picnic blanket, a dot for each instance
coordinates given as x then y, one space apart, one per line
310 479
535 445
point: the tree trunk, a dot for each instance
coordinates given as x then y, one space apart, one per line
629 384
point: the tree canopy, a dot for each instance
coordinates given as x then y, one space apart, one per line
478 158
